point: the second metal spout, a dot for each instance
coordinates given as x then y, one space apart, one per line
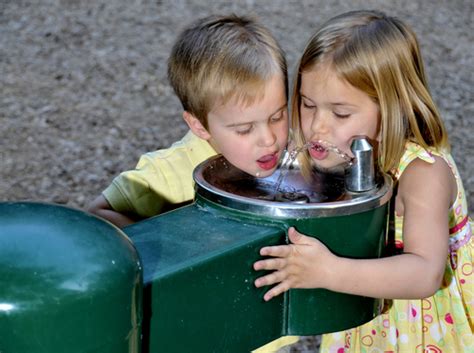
360 176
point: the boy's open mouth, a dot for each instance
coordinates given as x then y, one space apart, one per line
268 162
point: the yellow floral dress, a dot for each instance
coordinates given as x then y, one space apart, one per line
443 322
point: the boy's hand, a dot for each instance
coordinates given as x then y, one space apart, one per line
301 264
100 207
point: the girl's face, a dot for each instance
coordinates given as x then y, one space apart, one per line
335 112
252 137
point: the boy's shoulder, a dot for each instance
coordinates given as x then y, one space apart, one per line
190 147
161 178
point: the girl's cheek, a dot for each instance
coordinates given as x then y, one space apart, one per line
305 127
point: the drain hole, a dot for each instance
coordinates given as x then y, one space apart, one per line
294 197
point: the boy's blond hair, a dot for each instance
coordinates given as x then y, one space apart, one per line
222 57
380 56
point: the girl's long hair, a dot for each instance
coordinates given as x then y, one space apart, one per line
380 56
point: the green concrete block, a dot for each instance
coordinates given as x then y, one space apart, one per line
199 291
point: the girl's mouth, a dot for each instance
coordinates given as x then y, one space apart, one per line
268 161
318 151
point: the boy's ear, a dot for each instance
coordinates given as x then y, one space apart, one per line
196 126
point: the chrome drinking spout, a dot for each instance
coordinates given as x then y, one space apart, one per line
360 175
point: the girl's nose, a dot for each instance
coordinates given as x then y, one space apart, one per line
320 123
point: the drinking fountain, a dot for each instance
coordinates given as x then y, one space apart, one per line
198 259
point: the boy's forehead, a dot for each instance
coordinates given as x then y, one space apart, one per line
252 93
233 114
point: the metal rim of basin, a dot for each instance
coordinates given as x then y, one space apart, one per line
357 202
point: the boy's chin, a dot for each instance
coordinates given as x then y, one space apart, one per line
256 173
264 173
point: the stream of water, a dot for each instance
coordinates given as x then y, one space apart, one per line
287 164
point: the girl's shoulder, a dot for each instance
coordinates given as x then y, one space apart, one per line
415 151
423 167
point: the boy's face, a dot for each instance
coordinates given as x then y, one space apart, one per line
335 112
252 137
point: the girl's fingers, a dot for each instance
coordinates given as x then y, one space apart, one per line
276 251
277 290
269 264
299 238
271 278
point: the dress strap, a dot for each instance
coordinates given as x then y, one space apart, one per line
458 240
412 152
459 225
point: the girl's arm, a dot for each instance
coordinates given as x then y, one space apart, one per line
425 194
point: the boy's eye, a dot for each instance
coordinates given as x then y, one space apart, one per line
244 130
277 117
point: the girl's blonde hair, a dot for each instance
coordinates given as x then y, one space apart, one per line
380 56
218 58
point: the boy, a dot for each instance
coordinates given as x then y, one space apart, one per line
230 75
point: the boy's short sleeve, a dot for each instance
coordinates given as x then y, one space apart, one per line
142 191
160 179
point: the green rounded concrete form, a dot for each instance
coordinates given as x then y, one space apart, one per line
71 282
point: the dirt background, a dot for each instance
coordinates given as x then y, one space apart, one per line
83 88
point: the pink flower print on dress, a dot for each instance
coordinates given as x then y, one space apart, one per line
448 318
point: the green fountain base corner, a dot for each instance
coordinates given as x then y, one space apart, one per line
199 291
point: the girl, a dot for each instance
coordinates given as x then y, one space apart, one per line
362 74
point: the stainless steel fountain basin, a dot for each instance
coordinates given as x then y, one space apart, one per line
323 196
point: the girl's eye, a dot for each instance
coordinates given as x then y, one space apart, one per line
308 105
341 116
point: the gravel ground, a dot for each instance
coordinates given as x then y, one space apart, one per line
84 90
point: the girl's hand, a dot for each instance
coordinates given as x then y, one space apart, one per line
301 264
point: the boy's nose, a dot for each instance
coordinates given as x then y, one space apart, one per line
267 137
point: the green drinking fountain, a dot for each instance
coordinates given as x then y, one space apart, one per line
183 281
198 275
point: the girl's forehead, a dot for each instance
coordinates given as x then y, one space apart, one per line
322 72
325 87
322 80
320 69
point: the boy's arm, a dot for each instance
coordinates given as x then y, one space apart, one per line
100 207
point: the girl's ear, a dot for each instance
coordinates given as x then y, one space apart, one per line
379 136
196 126
379 128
